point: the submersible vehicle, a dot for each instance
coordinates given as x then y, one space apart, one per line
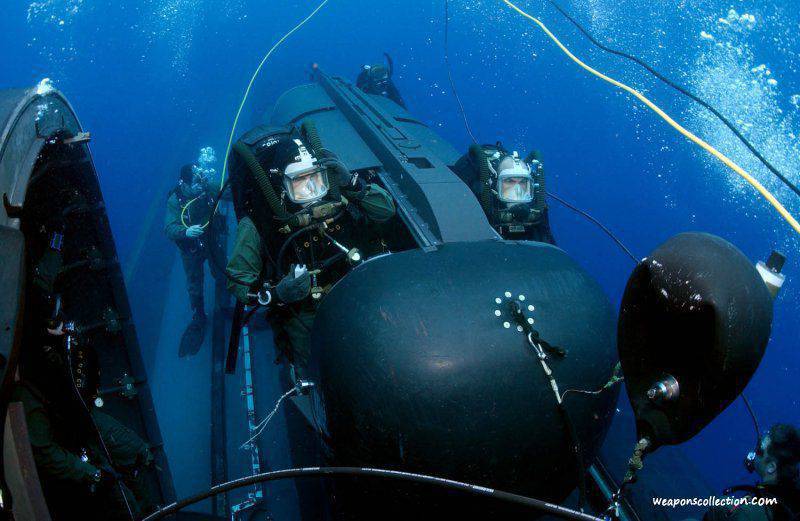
458 354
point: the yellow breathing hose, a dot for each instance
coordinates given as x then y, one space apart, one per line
241 107
674 124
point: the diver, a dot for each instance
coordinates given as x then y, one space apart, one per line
377 79
69 435
775 460
304 221
511 191
192 223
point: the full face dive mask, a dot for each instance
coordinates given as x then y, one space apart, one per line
514 181
304 180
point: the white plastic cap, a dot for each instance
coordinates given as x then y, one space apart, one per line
774 281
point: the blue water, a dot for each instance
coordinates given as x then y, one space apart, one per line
154 80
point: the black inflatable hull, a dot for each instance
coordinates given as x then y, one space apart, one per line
417 372
697 310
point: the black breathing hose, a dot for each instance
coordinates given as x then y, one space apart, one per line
309 129
289 240
478 157
533 503
683 91
539 201
262 180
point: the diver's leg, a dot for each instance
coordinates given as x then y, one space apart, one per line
297 329
193 266
195 332
293 339
217 259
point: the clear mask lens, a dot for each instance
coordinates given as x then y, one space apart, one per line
307 187
514 189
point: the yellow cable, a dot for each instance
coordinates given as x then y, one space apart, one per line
241 107
689 135
186 207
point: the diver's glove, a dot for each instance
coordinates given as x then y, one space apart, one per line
356 190
194 232
337 171
295 286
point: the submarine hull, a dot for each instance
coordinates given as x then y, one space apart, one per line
50 189
421 367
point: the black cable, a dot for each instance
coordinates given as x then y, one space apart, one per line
579 461
537 504
753 417
248 316
450 73
683 91
290 239
598 223
106 452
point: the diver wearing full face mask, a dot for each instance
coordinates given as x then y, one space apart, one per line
189 207
304 221
377 79
511 191
775 460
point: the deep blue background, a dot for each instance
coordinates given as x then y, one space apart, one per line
154 80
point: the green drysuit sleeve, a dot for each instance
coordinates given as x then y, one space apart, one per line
246 261
52 461
376 203
173 228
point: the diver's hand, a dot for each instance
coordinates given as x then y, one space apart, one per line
295 286
195 231
337 171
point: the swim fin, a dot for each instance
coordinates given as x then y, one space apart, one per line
192 338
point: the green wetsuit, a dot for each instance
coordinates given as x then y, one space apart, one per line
195 252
